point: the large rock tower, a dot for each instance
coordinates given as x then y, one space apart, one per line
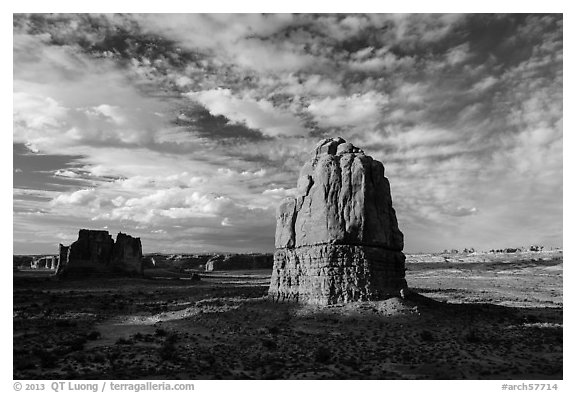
338 240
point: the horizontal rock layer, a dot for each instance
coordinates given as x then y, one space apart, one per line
328 274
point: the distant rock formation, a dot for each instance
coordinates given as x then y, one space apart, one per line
22 261
46 262
178 262
187 261
127 254
240 262
62 257
338 240
96 253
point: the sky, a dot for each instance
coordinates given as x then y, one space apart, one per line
187 130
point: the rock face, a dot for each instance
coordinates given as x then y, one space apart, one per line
338 240
47 262
96 253
240 262
127 254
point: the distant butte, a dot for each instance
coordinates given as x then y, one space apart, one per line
96 253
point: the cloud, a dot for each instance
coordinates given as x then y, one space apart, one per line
77 198
457 54
260 114
355 110
232 38
244 174
159 207
191 128
310 85
383 61
62 98
281 192
485 84
461 211
66 173
413 138
265 57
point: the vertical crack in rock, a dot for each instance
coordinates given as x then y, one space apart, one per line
338 240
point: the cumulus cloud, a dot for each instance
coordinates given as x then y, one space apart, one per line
62 98
157 207
355 110
260 114
77 198
232 38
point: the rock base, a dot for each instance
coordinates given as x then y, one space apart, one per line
329 274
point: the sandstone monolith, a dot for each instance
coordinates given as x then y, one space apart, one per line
338 239
96 253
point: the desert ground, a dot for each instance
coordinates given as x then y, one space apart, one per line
492 317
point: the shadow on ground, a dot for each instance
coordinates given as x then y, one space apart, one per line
227 329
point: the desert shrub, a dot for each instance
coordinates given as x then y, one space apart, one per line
47 358
531 319
322 354
99 358
65 323
269 344
168 349
273 330
426 335
171 338
472 336
77 344
161 332
93 335
80 357
23 363
123 341
113 355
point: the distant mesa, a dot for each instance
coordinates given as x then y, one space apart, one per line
96 253
239 262
338 240
179 262
208 262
